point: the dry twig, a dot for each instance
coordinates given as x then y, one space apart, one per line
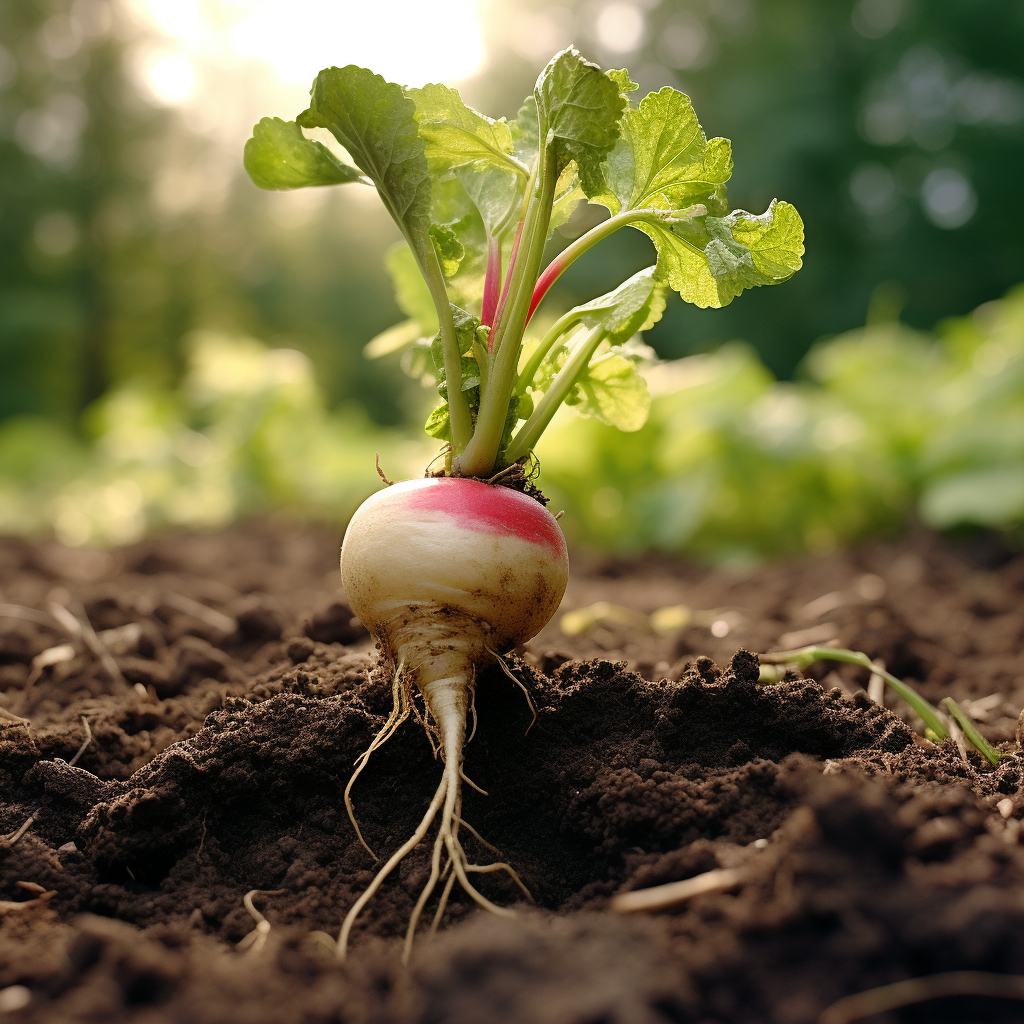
918 990
661 897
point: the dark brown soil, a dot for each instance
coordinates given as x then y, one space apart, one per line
217 767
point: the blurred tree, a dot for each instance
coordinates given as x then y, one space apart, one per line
68 200
122 230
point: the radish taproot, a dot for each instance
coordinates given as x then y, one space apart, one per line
450 572
447 574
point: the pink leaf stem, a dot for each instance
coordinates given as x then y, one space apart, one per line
508 277
492 281
554 271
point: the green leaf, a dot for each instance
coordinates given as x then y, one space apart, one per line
568 195
467 330
450 251
711 260
664 168
612 391
621 78
495 193
578 108
636 305
663 160
376 123
438 425
280 157
456 135
525 131
411 292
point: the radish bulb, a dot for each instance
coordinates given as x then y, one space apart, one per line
447 573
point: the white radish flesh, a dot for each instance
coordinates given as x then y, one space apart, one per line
447 573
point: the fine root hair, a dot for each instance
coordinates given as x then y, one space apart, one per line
401 703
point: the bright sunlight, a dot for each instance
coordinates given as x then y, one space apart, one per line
407 41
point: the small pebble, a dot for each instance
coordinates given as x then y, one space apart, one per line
67 848
760 844
1005 807
14 997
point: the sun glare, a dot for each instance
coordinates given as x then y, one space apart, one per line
409 41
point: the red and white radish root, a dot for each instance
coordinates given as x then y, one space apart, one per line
447 573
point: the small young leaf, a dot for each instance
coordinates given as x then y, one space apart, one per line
580 106
438 424
466 327
450 251
456 135
279 157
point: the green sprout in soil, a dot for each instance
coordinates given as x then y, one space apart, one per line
775 665
449 573
970 731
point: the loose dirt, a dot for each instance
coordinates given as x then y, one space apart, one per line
241 692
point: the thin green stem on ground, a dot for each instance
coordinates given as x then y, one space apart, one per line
974 737
803 657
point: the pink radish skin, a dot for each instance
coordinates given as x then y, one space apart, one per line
447 573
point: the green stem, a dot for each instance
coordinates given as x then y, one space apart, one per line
483 360
563 324
560 387
974 737
574 250
458 407
479 457
804 656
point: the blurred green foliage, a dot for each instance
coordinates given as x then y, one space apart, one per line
122 230
245 432
885 423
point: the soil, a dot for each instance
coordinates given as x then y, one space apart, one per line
225 732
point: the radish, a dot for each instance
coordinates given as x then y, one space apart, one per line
448 573
452 571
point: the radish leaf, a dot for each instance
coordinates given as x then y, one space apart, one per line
279 157
636 305
450 251
458 136
612 391
663 160
580 106
710 260
374 120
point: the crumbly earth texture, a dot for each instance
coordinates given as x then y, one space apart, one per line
225 731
